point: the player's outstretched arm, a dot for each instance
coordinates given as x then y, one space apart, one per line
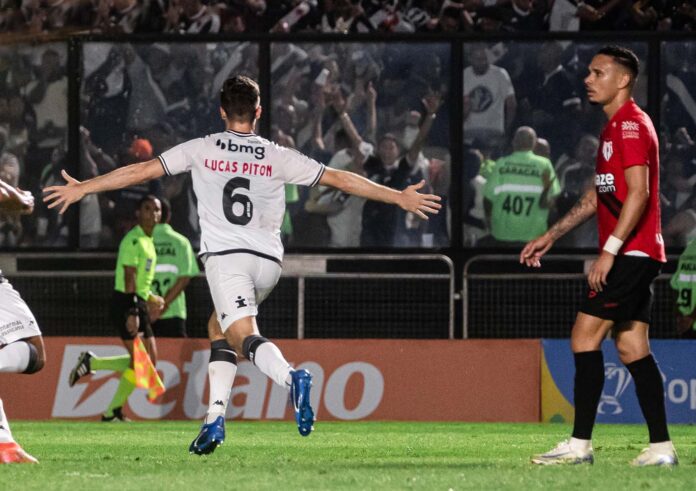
74 190
409 199
13 199
580 213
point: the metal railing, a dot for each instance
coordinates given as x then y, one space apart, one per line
517 303
330 295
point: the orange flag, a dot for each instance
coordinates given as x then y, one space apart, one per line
146 375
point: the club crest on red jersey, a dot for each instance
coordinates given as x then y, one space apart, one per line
607 150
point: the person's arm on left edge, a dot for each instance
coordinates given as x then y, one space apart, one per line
122 177
13 199
638 183
409 199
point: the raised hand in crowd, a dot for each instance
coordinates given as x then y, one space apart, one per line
338 102
371 94
432 102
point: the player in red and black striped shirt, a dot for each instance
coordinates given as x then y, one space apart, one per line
626 201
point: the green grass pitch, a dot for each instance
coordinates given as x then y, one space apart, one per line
262 455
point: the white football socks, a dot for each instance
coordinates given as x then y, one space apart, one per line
14 357
5 433
271 362
580 445
220 377
663 447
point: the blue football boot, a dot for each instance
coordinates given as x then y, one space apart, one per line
299 393
211 437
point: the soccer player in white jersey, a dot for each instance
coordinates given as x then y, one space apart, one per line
239 178
21 344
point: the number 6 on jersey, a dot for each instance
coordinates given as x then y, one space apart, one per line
229 199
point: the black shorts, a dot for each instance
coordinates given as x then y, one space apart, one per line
628 294
174 327
121 304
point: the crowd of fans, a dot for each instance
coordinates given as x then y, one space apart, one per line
136 102
510 87
379 109
363 107
375 109
33 131
343 16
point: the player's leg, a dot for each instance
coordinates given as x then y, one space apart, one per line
23 356
10 451
238 284
243 334
120 309
21 351
21 345
88 362
126 383
586 339
237 288
634 351
222 368
268 357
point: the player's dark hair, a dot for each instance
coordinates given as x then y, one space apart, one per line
239 97
624 57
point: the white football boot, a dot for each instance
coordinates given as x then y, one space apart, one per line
564 454
656 457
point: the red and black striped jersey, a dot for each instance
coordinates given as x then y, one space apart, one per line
629 139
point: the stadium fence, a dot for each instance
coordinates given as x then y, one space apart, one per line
323 296
502 299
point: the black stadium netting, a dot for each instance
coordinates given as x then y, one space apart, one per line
78 305
546 308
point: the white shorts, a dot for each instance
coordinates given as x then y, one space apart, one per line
238 283
16 320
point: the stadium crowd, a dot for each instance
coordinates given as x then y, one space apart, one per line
373 109
33 131
508 86
343 16
382 109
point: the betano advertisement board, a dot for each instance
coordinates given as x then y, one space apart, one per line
399 380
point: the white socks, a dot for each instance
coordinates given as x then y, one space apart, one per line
221 377
585 446
577 444
663 447
5 434
270 361
14 357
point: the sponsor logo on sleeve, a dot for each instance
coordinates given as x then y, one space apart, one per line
630 130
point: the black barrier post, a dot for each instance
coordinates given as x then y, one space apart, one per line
74 69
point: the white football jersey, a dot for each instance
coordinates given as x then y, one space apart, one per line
239 180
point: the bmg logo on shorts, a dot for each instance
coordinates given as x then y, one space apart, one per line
605 183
